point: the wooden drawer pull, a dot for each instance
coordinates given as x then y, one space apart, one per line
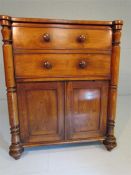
47 65
46 37
81 38
83 64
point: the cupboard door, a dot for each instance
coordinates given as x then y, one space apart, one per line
41 111
86 109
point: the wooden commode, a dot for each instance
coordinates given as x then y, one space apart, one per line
61 78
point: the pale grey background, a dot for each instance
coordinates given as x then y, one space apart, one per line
78 160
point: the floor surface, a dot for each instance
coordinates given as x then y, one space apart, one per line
76 159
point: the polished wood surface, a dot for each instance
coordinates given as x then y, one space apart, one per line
57 21
61 65
61 37
86 109
61 78
110 142
41 111
16 148
62 21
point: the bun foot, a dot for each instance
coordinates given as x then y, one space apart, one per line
16 151
110 143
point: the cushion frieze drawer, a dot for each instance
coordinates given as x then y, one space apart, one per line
62 37
61 65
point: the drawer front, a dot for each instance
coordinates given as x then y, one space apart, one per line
62 37
61 65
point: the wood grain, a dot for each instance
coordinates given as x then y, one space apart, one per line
62 65
16 148
86 109
61 38
110 141
41 111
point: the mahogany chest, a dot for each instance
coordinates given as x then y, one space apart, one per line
61 78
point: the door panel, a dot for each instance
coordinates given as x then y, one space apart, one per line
86 109
41 111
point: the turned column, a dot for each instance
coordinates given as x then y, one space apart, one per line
110 141
16 148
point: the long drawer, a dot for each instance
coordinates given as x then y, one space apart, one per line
62 37
61 65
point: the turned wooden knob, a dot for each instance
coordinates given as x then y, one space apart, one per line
46 37
81 38
47 65
83 64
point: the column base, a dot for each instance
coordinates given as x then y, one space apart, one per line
16 150
110 143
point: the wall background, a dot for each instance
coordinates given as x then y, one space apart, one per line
77 9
